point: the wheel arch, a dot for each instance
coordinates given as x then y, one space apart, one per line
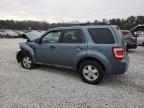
20 54
25 48
89 58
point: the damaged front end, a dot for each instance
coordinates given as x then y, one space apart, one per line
25 49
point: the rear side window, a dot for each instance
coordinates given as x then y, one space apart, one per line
101 35
73 36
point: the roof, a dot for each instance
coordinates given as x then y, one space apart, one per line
84 26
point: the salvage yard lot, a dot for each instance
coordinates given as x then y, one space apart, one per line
51 87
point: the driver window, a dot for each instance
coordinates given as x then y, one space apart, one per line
51 37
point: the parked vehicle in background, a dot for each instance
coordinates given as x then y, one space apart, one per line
139 32
93 51
0 33
8 34
140 37
130 39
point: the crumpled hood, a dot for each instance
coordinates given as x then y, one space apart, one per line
33 35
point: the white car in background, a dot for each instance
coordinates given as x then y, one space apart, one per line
140 37
9 34
1 34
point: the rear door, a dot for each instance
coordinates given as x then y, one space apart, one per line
72 47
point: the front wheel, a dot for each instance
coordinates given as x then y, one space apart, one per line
26 61
91 72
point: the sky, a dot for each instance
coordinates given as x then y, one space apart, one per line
69 10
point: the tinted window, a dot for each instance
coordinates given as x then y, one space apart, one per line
101 35
73 36
51 37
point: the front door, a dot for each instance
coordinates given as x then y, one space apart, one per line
47 50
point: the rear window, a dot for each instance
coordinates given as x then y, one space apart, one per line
101 35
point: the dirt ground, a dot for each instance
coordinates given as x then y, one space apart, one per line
51 87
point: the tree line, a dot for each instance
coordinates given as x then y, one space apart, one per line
127 23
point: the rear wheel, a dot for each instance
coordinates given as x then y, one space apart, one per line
26 61
91 72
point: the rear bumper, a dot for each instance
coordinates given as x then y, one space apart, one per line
119 67
132 46
142 43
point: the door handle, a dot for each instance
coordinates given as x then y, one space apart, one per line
52 47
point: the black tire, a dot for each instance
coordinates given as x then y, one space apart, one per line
97 66
23 63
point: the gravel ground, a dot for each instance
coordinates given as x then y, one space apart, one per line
51 87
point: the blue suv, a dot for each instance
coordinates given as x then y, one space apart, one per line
93 51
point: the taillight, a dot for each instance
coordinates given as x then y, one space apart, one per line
118 52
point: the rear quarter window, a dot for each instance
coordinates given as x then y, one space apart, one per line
101 35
